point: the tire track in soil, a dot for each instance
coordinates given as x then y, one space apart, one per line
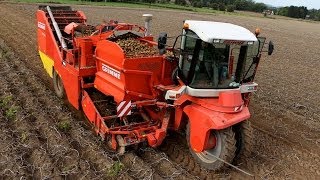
13 158
180 155
31 152
65 158
273 162
21 36
165 167
30 146
138 168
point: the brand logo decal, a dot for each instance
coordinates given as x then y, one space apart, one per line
41 25
233 42
111 71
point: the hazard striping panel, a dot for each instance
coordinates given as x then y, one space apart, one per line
124 108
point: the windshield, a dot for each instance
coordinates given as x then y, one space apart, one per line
253 52
216 65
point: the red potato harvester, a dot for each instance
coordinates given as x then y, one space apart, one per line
133 89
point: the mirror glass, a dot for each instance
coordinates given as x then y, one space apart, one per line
270 48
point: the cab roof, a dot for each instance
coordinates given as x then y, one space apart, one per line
209 30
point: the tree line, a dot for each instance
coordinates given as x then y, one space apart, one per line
230 5
222 5
242 5
299 12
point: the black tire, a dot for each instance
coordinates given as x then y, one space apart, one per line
244 138
58 85
224 149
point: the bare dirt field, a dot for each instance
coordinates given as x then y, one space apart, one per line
41 137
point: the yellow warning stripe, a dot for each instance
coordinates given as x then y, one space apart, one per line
47 63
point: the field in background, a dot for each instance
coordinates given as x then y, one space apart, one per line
285 109
124 4
205 10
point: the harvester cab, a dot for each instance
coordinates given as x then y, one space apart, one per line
217 56
132 92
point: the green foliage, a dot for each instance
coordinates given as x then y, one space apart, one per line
243 5
231 8
283 11
314 14
4 101
222 7
215 6
24 136
197 4
115 169
181 2
9 109
64 126
11 112
294 12
258 7
164 1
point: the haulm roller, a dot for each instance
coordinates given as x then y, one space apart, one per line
134 89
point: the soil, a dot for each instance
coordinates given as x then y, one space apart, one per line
42 137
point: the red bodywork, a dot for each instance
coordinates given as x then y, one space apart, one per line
144 81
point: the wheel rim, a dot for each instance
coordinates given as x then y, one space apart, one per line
209 156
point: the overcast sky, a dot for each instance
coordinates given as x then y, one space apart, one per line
308 3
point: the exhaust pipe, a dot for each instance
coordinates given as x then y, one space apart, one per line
147 23
56 28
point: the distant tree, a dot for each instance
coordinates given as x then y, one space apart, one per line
258 7
180 2
314 14
296 12
197 4
231 8
243 5
292 12
222 7
150 1
214 6
303 12
164 1
283 11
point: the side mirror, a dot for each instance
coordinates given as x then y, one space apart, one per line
270 48
162 42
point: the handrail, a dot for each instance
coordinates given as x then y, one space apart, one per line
56 27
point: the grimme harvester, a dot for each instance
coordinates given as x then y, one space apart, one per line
133 89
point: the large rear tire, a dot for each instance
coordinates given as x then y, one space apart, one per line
58 85
244 138
224 149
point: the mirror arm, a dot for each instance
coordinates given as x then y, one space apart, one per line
174 44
